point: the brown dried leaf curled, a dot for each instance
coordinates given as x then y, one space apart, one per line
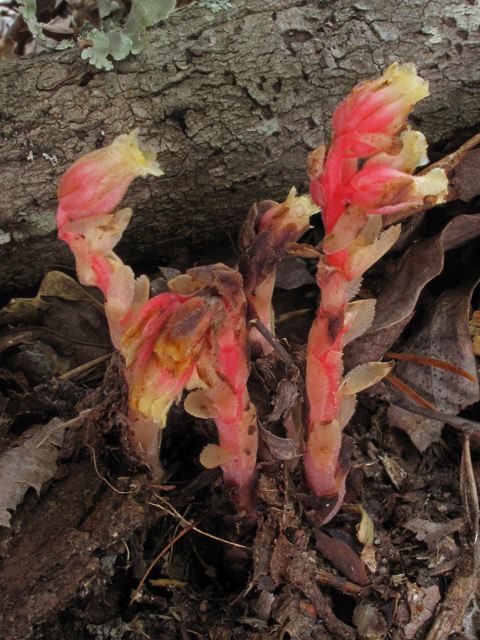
396 303
342 557
467 176
29 465
445 336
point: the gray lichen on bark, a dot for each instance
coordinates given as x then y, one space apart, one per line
233 102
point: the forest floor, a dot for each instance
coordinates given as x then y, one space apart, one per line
83 525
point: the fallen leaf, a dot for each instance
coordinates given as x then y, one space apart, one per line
29 310
467 176
422 431
394 471
369 559
445 336
286 399
55 396
291 274
263 605
396 303
474 328
422 604
370 623
280 448
82 321
432 532
342 557
31 464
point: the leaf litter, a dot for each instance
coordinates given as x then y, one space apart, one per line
413 576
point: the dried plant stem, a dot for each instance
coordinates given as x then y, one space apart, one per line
173 512
431 362
169 546
469 488
462 590
404 388
323 577
78 372
464 424
454 607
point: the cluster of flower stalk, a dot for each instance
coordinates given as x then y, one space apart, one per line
196 337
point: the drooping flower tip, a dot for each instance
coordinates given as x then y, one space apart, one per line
296 210
401 82
98 181
143 156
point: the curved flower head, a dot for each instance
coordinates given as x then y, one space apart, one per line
366 125
88 192
98 181
262 243
161 346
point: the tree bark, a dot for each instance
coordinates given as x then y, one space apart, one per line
233 101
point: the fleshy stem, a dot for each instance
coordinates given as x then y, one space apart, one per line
366 125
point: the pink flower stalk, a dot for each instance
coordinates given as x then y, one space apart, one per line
222 372
194 337
366 125
88 193
262 243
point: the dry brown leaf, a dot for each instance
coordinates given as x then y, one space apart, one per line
31 464
396 303
422 431
467 176
291 274
433 532
422 604
370 623
55 283
280 448
445 336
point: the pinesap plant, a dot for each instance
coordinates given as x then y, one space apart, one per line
196 336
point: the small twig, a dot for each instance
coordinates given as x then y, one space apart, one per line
337 583
169 545
469 488
60 335
464 424
75 422
277 346
452 611
78 371
173 512
123 493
